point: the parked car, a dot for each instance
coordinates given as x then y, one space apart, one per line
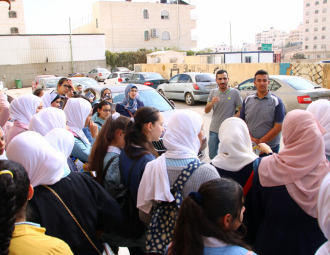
85 82
50 83
99 74
296 92
35 82
121 69
190 87
116 78
327 61
150 97
145 78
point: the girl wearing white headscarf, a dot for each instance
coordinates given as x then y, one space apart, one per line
182 139
47 120
78 113
51 99
21 110
321 110
44 165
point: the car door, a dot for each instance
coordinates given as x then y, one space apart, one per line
184 85
170 90
90 74
112 78
129 79
247 88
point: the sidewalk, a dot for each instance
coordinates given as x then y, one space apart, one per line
18 92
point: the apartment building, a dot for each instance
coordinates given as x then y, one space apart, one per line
316 29
129 26
12 21
296 35
223 48
272 36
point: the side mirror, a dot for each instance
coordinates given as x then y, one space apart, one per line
166 80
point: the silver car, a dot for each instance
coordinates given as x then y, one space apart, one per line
190 87
296 92
99 74
50 83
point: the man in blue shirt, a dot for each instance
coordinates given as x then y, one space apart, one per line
263 113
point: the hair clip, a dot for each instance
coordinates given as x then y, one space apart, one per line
6 172
196 197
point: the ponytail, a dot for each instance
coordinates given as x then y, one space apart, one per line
14 189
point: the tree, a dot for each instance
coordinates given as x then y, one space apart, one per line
298 56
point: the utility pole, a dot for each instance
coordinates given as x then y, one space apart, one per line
177 6
231 46
71 46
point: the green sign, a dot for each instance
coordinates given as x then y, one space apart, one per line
266 47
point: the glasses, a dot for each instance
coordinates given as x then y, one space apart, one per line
67 86
106 110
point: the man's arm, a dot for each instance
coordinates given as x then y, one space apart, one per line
271 133
209 105
238 112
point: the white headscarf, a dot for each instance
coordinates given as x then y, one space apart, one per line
47 120
321 110
77 111
323 208
182 142
48 98
24 107
43 163
235 148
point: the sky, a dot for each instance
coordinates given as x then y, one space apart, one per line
247 17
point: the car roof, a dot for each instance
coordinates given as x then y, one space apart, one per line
121 88
145 73
284 77
195 73
79 78
47 75
51 78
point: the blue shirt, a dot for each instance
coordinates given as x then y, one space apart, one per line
122 111
226 250
98 121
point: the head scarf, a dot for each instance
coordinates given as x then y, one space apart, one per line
181 141
235 148
24 107
49 97
301 165
77 111
129 103
323 208
47 120
321 110
102 91
43 163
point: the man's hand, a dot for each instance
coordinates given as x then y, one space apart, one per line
264 148
255 140
93 129
71 84
209 105
215 100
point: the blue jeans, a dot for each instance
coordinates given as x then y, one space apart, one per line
213 144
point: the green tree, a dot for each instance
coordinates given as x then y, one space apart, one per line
298 56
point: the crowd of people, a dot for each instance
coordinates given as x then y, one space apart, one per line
80 175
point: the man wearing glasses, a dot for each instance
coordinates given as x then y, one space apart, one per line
223 101
64 85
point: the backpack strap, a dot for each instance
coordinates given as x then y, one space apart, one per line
107 166
96 122
130 172
182 180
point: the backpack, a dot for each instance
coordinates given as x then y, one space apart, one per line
113 190
131 227
162 223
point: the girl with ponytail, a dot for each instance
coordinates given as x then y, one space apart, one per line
208 220
17 236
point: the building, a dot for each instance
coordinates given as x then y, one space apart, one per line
316 29
251 47
276 37
223 48
12 21
129 26
296 35
170 56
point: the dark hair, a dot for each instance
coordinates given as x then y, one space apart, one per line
134 132
261 72
103 90
91 90
37 92
9 98
13 199
103 141
221 72
60 82
219 197
100 105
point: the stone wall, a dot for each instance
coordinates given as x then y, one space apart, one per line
27 73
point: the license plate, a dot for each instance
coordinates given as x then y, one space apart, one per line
210 86
324 97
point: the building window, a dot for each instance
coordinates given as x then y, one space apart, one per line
316 11
306 38
12 14
324 28
315 29
307 13
318 56
14 30
317 3
323 37
325 1
316 20
146 36
315 37
324 10
97 23
166 36
145 14
307 30
307 21
323 46
306 47
12 0
309 56
315 47
324 19
165 15
308 4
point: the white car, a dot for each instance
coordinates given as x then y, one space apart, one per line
99 74
117 77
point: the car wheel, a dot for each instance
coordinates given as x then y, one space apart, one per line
189 99
161 92
96 79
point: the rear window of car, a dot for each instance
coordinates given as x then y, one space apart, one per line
104 70
86 82
152 76
52 83
205 78
124 75
301 83
149 98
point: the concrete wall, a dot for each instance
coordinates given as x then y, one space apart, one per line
195 60
318 73
28 72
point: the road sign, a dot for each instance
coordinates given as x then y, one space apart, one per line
266 47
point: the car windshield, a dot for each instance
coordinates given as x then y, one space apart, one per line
205 78
301 84
50 83
149 98
85 82
152 76
104 70
124 75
